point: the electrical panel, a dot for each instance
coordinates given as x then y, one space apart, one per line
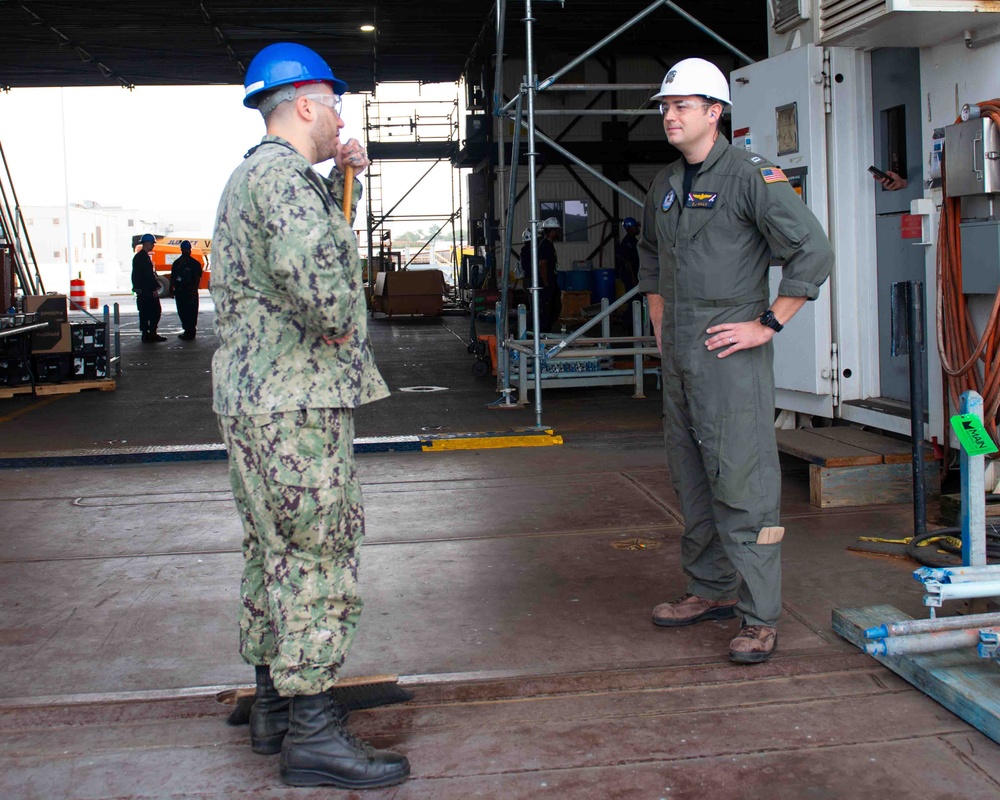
973 158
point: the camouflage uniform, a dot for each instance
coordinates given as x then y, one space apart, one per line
285 275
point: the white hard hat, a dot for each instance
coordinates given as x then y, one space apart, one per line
551 223
526 234
695 76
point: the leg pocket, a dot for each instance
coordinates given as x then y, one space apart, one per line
736 458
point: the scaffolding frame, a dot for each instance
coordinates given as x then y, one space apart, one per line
416 128
14 233
513 109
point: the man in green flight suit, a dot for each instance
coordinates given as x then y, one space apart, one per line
293 363
712 223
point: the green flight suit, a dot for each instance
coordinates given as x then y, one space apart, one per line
710 264
286 281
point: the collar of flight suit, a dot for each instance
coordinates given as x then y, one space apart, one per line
693 220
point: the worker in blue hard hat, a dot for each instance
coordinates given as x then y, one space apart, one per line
627 254
147 290
293 363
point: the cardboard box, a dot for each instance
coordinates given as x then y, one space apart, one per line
410 292
51 307
58 341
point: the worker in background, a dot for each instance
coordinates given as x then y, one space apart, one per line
627 254
294 361
550 297
147 290
185 278
713 222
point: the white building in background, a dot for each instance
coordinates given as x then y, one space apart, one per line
97 245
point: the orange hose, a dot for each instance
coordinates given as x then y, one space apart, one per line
959 346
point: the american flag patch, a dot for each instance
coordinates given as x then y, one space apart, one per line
773 175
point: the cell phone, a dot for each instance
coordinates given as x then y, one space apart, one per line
878 174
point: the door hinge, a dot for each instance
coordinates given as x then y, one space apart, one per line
835 373
827 87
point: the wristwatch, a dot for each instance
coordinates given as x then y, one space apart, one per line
768 318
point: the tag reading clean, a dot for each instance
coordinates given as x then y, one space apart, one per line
972 434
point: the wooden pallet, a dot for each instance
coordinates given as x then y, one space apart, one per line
68 387
958 679
850 467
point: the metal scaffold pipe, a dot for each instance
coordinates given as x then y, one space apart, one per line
531 81
912 626
956 574
937 593
923 642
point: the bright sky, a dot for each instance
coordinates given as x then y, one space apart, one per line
166 148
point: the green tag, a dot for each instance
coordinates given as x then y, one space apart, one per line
972 434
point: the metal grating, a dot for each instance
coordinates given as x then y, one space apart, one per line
787 14
840 16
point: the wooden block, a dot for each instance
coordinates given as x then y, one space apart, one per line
958 679
573 304
870 485
893 451
823 450
950 512
72 387
11 391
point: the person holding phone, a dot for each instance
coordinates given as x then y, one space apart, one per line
890 180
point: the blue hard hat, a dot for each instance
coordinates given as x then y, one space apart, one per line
147 238
283 63
630 222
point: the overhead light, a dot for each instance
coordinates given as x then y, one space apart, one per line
367 28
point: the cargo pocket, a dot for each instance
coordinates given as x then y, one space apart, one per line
297 450
737 459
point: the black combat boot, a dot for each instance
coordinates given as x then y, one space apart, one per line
319 751
268 716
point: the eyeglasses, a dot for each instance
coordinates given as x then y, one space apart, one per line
681 106
334 101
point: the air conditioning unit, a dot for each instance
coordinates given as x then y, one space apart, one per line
788 14
900 23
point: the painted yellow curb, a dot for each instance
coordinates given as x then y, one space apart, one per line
492 443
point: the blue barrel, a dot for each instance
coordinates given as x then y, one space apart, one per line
602 285
577 280
561 279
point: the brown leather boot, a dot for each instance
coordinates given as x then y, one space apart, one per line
690 608
753 644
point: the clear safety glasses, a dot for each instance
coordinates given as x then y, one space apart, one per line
682 106
334 101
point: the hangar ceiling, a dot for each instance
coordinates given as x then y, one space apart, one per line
140 42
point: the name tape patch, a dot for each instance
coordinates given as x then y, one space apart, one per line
701 199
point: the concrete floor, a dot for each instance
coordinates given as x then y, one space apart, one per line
493 585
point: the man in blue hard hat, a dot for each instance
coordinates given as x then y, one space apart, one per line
627 255
147 290
293 363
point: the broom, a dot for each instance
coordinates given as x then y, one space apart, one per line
353 694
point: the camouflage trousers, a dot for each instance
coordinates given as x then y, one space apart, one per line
298 494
